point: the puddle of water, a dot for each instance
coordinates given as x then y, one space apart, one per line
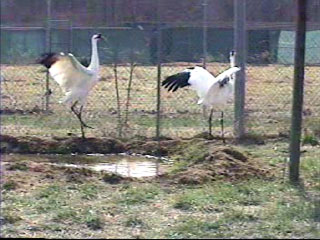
137 166
124 168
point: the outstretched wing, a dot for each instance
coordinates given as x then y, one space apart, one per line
222 90
197 77
176 81
66 70
227 74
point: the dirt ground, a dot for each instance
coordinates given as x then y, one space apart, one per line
205 160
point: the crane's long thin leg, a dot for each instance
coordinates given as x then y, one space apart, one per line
82 130
210 122
80 118
73 107
222 128
78 115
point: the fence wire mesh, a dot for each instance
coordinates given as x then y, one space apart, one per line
124 102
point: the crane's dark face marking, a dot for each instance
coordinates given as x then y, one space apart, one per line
97 36
232 53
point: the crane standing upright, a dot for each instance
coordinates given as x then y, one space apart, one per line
212 91
75 80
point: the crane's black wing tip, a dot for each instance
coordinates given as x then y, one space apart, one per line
176 81
47 59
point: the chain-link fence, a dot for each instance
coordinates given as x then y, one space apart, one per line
145 42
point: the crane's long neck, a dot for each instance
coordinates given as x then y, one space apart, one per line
232 61
94 64
232 64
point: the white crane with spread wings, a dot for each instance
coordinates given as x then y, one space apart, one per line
212 91
75 80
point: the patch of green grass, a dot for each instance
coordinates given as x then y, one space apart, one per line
310 172
9 185
52 226
190 120
139 194
50 191
296 210
190 151
314 125
251 194
195 199
280 214
244 194
134 221
310 165
178 166
93 220
9 217
18 166
50 198
311 140
195 228
64 214
288 218
239 214
209 198
88 191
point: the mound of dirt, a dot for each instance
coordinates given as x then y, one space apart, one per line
222 163
152 147
30 144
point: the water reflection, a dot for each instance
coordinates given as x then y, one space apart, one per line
124 165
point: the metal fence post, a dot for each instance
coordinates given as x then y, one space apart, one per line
204 33
240 47
159 61
48 49
297 101
159 56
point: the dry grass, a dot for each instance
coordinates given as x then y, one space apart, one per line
268 102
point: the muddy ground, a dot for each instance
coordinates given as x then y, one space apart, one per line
196 160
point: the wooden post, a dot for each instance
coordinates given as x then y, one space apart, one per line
240 46
297 101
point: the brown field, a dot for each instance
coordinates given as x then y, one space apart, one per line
268 103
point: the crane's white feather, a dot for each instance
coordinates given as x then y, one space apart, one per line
217 94
74 79
210 90
228 73
200 80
